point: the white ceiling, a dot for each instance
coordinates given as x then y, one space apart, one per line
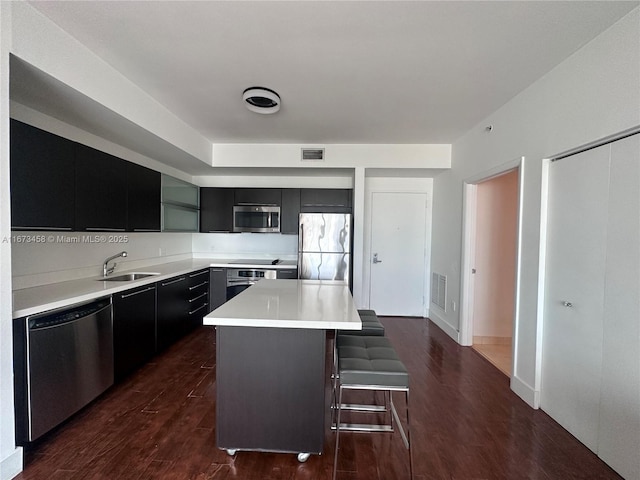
347 72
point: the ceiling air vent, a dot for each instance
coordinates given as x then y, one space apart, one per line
312 154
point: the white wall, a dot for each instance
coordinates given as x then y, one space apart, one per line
68 256
336 156
258 179
10 456
591 95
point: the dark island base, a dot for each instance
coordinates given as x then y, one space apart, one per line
271 389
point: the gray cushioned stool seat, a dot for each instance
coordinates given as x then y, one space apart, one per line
370 360
370 325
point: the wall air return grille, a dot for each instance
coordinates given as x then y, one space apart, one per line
439 290
312 154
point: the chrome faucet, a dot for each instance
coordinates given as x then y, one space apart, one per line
107 271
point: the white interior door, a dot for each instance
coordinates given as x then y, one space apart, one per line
619 430
574 292
398 239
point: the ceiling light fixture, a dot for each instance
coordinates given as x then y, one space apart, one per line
261 100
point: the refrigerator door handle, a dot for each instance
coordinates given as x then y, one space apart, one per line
301 239
300 244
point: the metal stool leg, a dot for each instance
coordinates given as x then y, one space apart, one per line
409 436
335 457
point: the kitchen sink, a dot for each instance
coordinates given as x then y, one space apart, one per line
127 277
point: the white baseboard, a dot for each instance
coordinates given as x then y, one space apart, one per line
11 465
526 392
445 326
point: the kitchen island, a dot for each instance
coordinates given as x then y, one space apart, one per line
272 367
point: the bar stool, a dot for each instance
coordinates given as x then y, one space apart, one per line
370 363
370 326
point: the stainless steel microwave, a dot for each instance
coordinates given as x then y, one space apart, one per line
256 218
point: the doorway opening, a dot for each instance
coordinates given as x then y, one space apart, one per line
490 258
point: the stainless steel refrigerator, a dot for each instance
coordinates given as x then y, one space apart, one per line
324 246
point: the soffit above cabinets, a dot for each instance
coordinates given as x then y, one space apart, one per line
39 91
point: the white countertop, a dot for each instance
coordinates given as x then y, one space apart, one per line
314 304
29 301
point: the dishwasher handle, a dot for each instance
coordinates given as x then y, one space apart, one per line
67 314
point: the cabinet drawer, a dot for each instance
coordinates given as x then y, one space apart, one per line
287 273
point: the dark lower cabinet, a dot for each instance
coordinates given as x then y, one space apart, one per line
42 179
290 210
134 329
271 389
216 209
197 298
287 273
217 287
172 311
101 191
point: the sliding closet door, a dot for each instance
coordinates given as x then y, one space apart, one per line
619 433
574 292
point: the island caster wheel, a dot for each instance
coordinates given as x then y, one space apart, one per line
303 457
231 451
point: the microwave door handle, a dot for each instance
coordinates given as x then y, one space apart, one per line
269 220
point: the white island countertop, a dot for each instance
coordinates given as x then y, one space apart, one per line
312 304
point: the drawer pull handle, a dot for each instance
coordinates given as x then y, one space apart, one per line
199 308
173 281
198 286
192 275
199 296
126 295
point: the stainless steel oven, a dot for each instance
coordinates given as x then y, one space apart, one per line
256 218
239 279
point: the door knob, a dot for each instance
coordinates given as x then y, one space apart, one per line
567 304
375 258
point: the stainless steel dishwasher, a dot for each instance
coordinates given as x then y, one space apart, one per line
63 360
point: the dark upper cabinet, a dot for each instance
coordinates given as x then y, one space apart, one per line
42 179
143 199
216 209
101 191
134 329
257 196
325 200
290 210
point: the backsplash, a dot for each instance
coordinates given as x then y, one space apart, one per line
245 245
40 258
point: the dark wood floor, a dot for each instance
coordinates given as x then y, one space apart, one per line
467 424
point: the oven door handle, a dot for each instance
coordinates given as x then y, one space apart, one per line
237 283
